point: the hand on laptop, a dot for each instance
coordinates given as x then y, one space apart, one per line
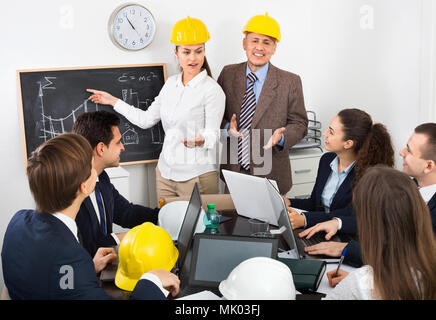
296 219
331 248
102 257
330 227
169 280
287 202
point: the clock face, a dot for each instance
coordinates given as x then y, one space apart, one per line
132 27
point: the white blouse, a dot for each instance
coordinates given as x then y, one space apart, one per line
184 111
358 285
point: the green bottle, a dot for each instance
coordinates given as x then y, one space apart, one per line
211 219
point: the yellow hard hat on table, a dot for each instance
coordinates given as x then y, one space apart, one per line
189 31
145 247
263 24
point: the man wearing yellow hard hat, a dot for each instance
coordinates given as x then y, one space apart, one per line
261 96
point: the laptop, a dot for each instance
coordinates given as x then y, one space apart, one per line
215 256
183 241
291 236
187 229
248 194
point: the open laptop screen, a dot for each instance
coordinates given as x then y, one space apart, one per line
215 256
188 226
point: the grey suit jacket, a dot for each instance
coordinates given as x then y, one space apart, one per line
280 104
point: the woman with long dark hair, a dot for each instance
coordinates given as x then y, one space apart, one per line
354 143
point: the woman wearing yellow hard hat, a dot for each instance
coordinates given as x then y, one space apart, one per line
190 106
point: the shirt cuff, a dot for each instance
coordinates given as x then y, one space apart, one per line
282 141
115 238
226 131
305 221
119 104
155 279
339 223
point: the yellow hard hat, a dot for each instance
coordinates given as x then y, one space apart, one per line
263 24
189 31
145 247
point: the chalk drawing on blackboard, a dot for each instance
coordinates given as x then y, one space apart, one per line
51 127
52 99
130 136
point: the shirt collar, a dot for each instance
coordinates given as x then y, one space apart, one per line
70 223
427 192
260 74
194 82
334 166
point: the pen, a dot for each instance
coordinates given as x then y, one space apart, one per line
340 261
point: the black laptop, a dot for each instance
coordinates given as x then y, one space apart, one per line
187 229
215 256
183 241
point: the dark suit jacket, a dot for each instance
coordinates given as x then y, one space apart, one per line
40 254
280 104
118 210
341 204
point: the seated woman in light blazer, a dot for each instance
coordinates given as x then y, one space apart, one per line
354 144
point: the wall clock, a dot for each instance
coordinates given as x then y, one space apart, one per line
132 27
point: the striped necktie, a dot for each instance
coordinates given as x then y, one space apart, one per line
247 111
100 209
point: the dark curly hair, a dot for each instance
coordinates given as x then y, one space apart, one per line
372 142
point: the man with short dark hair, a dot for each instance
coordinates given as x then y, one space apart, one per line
419 162
106 206
41 255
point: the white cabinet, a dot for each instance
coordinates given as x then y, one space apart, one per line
304 167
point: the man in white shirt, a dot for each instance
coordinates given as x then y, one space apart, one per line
419 162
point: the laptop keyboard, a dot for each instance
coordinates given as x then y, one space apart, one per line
315 239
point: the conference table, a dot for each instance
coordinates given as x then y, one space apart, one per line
237 225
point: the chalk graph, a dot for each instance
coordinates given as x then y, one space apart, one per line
51 127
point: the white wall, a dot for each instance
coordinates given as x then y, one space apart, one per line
342 64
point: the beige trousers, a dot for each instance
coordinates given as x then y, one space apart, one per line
166 188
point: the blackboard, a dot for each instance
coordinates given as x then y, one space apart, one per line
51 100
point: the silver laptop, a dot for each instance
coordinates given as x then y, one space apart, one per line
249 196
291 236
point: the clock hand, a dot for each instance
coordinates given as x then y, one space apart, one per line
133 27
131 24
